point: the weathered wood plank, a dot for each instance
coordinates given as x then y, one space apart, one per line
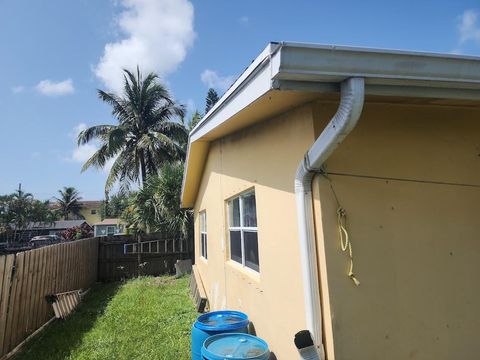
7 265
13 304
197 291
22 299
39 307
30 325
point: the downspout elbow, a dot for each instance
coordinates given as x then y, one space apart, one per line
303 176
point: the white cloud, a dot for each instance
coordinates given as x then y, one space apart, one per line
18 89
84 152
156 37
77 129
52 88
468 27
213 80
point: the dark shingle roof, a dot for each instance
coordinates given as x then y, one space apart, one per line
56 225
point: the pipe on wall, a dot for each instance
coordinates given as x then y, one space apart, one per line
352 93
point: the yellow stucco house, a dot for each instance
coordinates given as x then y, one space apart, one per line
90 211
320 158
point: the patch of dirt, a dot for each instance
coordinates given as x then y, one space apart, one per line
159 281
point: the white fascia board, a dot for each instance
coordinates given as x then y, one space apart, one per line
306 62
372 50
185 173
253 83
244 95
293 66
320 68
423 92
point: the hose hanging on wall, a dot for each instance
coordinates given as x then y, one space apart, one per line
345 242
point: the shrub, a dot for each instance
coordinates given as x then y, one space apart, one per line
78 232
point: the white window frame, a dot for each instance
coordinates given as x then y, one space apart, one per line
242 229
114 230
203 234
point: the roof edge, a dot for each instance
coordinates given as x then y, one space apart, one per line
320 68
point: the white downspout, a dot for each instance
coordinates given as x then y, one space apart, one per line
344 120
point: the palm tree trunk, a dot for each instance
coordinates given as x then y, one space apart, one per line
143 170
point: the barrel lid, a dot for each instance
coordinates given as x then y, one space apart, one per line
226 320
235 346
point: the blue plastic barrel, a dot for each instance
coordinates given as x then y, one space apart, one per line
213 323
235 347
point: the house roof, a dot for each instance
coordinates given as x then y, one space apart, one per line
108 222
90 204
56 225
286 75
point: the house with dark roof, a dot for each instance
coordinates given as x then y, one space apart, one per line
45 228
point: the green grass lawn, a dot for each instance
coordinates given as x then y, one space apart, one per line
146 318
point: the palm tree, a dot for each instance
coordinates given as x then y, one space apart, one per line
19 209
194 120
146 136
21 196
68 202
189 125
156 207
41 212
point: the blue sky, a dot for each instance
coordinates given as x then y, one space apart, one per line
56 53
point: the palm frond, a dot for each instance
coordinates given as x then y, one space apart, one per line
93 132
119 106
99 158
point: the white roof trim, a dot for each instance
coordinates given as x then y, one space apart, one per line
320 68
331 64
257 77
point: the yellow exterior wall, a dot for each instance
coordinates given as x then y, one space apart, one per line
264 157
91 218
415 243
404 177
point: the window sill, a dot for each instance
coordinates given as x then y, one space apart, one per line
252 274
205 261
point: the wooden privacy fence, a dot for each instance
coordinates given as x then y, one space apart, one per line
155 255
27 277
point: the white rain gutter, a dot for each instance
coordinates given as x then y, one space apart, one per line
351 103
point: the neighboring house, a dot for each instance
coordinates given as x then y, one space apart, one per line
90 210
108 227
40 228
270 188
